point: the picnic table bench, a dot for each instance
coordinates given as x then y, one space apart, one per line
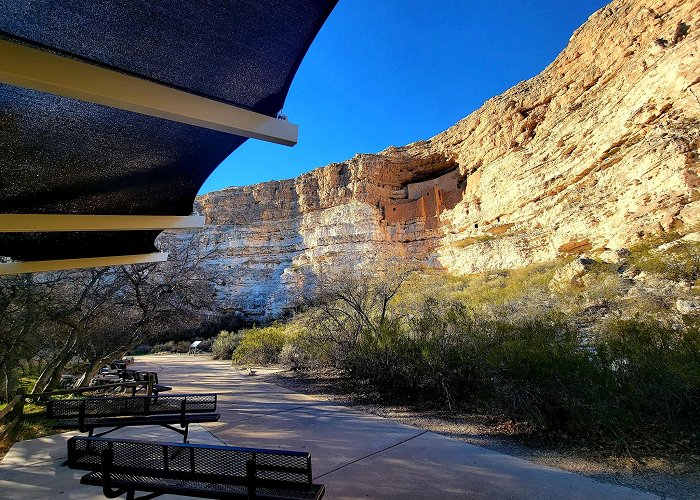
139 376
205 471
113 376
118 364
116 412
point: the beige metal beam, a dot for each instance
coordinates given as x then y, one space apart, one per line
66 264
36 69
37 223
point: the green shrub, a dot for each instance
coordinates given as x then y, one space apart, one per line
683 262
539 370
162 347
205 345
452 340
436 358
525 290
496 342
656 372
680 262
181 347
302 349
142 349
542 374
260 345
224 344
387 362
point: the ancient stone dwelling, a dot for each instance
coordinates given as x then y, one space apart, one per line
425 200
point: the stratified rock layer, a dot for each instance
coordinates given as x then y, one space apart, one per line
594 153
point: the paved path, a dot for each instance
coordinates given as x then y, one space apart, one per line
354 454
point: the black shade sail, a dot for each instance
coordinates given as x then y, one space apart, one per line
60 155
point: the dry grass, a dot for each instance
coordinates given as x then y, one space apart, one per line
34 424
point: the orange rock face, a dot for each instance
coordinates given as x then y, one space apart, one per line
601 148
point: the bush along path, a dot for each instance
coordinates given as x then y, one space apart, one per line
530 349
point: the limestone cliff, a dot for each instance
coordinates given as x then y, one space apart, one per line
597 151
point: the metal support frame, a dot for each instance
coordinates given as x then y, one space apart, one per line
66 264
39 223
37 69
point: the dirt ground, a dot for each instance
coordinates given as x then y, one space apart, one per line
669 473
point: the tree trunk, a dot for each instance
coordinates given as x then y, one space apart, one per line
45 375
57 374
51 375
9 382
93 369
3 385
99 362
42 380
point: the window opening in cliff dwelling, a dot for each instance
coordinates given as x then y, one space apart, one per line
476 226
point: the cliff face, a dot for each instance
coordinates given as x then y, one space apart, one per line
596 152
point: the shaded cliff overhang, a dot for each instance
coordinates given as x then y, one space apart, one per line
65 155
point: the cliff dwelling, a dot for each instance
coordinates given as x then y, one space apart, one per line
425 200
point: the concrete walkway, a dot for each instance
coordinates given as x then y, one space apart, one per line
354 454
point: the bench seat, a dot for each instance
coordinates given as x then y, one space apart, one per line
115 413
161 388
90 423
124 466
199 489
129 375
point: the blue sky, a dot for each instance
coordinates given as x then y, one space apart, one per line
390 72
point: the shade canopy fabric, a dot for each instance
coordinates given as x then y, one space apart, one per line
61 155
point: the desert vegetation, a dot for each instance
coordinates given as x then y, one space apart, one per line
73 322
605 343
583 345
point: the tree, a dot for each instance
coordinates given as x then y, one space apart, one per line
96 315
20 336
75 302
153 299
350 306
